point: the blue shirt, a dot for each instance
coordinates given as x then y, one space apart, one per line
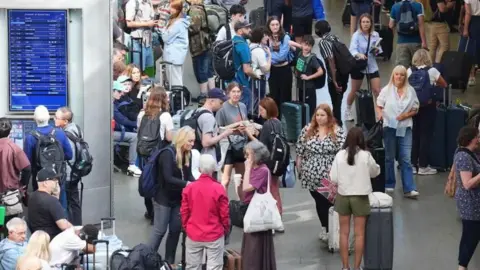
468 201
241 55
358 44
281 56
30 143
395 15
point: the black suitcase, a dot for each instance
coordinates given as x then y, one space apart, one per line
257 96
347 12
457 66
437 155
378 183
385 33
456 118
365 108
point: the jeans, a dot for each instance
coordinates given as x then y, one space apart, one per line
74 203
422 133
131 139
195 253
469 241
166 217
246 97
63 198
146 54
437 38
203 67
404 145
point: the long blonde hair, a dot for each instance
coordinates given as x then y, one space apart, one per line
180 140
28 263
37 247
399 69
178 6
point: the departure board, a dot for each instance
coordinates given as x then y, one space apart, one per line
37 59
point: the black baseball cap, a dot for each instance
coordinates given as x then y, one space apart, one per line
47 174
217 93
240 25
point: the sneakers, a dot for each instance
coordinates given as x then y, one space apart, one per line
134 170
472 81
389 190
348 114
426 171
414 170
412 194
323 235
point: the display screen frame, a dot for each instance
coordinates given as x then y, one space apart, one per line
11 106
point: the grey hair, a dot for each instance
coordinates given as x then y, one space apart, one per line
14 223
260 152
41 115
207 164
67 113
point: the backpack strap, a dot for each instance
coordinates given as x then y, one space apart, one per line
466 150
229 32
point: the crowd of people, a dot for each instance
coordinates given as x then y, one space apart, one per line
194 170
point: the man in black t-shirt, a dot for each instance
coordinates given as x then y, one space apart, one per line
307 70
45 211
438 29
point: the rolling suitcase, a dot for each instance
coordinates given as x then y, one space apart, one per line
334 232
295 115
228 261
237 258
258 93
104 264
176 93
378 254
437 155
385 33
457 66
365 107
347 12
456 118
378 183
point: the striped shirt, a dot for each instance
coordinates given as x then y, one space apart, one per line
326 43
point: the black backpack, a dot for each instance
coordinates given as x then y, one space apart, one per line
279 152
193 123
222 52
141 257
344 60
83 159
148 136
48 151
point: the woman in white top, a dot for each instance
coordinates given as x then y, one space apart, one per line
352 169
424 120
37 247
157 107
397 103
470 41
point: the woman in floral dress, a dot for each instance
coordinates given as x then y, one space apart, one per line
316 148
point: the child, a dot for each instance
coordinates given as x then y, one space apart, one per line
307 70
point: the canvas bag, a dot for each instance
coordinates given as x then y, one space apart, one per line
262 213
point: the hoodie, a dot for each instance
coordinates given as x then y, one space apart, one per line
175 40
122 120
9 253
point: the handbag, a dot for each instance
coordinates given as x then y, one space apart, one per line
362 64
262 213
12 200
237 211
236 149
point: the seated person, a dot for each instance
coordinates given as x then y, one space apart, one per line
66 247
126 105
14 245
124 129
44 209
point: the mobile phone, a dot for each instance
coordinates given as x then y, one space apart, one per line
156 17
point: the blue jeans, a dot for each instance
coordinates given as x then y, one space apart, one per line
166 217
146 53
404 145
203 67
63 198
246 97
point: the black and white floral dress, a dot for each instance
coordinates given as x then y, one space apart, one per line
317 156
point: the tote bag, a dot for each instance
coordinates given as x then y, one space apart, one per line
262 213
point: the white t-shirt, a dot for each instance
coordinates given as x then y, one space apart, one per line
475 5
195 164
433 73
65 247
222 33
259 58
166 122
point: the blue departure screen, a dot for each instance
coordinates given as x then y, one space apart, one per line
38 63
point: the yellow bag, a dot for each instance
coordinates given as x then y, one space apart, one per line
450 187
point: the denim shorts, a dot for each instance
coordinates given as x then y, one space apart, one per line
202 67
145 52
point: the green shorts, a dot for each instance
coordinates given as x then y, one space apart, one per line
357 205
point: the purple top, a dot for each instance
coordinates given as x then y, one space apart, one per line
258 179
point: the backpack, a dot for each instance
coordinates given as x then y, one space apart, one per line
408 23
122 21
222 52
83 159
48 151
140 257
148 183
129 109
420 81
193 123
301 66
344 60
217 16
198 32
279 153
148 136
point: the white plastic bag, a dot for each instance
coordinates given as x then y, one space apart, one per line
380 200
262 213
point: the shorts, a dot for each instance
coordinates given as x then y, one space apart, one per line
146 53
360 8
202 67
358 75
231 159
356 205
302 26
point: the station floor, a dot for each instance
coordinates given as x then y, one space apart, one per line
427 230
